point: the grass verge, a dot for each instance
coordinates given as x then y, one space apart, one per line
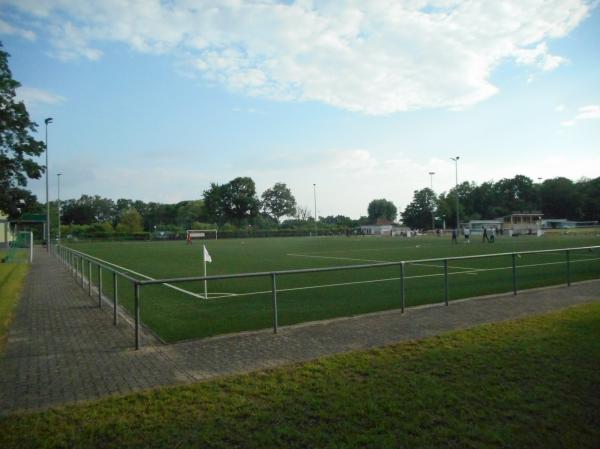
12 278
525 383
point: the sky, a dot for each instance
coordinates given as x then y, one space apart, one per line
355 100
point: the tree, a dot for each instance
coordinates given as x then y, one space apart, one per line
418 214
235 201
88 209
130 221
560 199
278 201
589 191
239 199
214 203
382 209
17 146
516 194
302 213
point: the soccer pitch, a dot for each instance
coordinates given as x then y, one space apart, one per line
178 312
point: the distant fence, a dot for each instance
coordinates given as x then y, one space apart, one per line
85 267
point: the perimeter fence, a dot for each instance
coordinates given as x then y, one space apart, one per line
429 281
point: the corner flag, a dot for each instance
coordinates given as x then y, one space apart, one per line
207 257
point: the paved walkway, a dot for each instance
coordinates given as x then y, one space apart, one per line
62 348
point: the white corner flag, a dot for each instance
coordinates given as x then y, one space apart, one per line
206 255
207 258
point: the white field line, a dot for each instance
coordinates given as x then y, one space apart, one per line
336 258
377 261
174 287
371 281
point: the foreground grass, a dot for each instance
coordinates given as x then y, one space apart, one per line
527 383
12 278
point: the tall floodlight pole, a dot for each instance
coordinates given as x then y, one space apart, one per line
315 195
455 159
47 122
58 175
431 173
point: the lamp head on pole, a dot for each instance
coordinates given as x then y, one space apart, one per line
48 120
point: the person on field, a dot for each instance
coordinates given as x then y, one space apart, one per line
467 233
492 235
454 236
485 236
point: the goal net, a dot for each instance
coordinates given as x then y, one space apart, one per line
21 248
201 234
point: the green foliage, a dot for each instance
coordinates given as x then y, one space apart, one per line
529 383
17 147
560 198
130 221
418 214
382 209
278 201
234 202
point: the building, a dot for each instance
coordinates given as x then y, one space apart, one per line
522 223
477 226
6 234
563 223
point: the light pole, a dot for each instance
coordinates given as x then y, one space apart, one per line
431 173
47 122
58 175
455 159
315 195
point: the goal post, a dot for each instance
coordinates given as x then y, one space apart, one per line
201 234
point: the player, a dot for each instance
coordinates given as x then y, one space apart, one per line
467 233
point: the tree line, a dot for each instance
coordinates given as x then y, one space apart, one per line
554 198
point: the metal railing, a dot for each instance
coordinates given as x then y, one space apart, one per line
76 260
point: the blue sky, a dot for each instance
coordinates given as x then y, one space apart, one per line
154 100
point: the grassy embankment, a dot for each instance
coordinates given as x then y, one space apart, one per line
521 384
12 278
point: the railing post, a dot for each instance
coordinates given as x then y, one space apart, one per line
136 287
446 281
82 271
568 268
99 286
90 277
274 292
514 272
402 297
115 299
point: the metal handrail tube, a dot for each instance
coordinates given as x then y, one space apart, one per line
103 265
346 267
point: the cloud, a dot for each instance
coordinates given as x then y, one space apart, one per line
590 112
6 28
32 96
375 57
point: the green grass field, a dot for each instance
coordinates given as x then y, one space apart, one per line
12 278
530 383
245 304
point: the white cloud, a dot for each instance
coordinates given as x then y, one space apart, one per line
7 28
32 96
589 112
376 57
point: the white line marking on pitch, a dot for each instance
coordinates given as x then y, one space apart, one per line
340 284
174 287
336 258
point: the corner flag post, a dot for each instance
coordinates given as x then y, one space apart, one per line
207 258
